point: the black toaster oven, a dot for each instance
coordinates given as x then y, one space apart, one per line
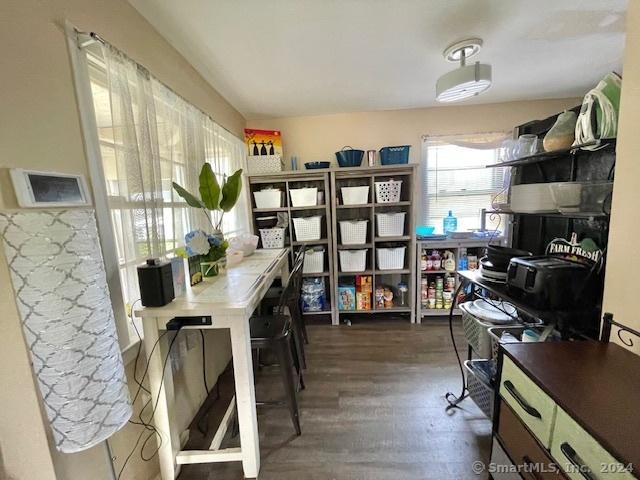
548 282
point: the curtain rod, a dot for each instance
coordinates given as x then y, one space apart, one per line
95 38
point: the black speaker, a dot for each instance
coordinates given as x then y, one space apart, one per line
156 283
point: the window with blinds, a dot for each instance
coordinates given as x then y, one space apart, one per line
455 179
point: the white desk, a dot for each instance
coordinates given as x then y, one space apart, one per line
229 299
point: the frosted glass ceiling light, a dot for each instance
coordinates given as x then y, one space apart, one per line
466 81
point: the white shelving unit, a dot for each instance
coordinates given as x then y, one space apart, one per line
474 247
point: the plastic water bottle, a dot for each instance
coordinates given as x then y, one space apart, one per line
449 223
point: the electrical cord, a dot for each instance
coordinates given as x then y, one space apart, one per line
147 424
204 364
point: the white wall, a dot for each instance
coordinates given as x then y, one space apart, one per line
40 129
623 262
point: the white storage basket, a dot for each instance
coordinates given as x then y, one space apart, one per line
355 195
353 232
476 332
268 198
307 228
480 393
272 237
353 260
304 197
391 258
390 224
388 192
264 163
313 261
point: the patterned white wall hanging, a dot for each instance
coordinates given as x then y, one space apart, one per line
61 289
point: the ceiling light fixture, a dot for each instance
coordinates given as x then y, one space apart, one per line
466 81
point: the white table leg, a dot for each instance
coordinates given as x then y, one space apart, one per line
245 396
170 438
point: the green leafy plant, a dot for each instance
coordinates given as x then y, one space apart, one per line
213 197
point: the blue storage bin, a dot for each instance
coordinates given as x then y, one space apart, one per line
394 155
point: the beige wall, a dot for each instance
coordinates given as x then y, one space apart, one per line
318 137
40 129
621 290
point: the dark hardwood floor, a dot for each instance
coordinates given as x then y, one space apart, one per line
373 409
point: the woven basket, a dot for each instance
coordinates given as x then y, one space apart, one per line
272 237
391 258
304 197
353 260
307 228
476 332
388 192
355 195
353 232
390 224
264 163
313 261
480 393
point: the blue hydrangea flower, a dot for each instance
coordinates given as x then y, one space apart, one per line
197 243
214 241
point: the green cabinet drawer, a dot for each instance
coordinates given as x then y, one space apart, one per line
534 407
580 455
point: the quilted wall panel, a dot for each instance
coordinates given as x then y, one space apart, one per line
61 290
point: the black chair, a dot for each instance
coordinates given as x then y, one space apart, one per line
274 333
293 305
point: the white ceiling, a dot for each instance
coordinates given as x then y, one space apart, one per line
306 57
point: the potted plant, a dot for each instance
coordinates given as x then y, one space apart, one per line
213 197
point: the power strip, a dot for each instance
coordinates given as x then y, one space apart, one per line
178 322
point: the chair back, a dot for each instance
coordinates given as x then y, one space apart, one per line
291 292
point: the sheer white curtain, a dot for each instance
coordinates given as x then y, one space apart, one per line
149 138
454 177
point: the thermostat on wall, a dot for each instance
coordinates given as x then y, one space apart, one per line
48 189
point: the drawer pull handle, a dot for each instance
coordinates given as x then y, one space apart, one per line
532 467
576 461
521 401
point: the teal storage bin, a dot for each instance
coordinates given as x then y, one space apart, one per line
394 155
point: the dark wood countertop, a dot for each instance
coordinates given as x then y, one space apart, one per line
597 383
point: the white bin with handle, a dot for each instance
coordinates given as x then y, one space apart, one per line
390 224
391 258
353 232
270 198
313 261
353 260
355 195
307 228
304 197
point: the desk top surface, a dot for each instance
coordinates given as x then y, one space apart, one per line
233 291
596 383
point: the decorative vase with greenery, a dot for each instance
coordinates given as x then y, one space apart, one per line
213 197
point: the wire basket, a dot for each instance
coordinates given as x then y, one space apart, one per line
389 191
272 237
355 195
304 197
391 258
313 261
264 163
476 332
480 392
353 232
268 198
390 224
353 260
307 228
